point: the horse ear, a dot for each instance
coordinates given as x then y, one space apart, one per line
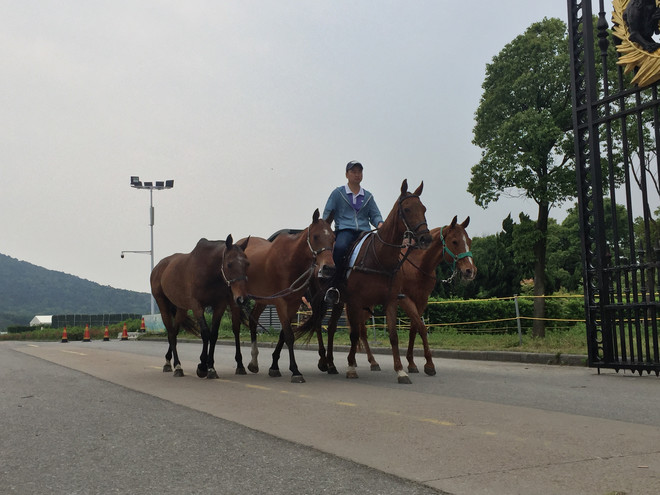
466 222
315 216
418 191
243 245
404 187
229 242
454 221
331 217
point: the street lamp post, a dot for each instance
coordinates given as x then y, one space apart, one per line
158 185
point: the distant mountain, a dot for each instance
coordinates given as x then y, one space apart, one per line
27 290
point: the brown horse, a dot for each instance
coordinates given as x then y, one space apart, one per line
280 272
375 278
451 244
213 274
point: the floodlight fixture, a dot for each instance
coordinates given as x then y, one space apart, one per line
137 184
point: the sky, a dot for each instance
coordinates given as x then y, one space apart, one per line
252 107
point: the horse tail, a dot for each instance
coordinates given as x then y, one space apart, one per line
190 325
308 328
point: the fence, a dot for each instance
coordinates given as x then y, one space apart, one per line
100 320
496 315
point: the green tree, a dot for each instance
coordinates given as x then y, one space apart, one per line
524 128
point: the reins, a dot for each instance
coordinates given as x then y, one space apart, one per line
303 280
410 234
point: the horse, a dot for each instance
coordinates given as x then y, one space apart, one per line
213 274
451 244
375 278
280 273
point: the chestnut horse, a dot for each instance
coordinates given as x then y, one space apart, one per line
213 274
375 278
451 244
280 272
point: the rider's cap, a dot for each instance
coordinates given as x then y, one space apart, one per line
352 164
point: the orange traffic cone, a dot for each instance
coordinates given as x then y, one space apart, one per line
64 336
86 334
124 333
142 327
106 334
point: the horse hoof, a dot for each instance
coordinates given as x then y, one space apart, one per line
241 371
212 374
413 369
429 371
351 374
274 373
178 373
253 368
323 366
375 367
167 368
405 380
297 379
202 372
332 370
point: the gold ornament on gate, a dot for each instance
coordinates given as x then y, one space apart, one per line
635 23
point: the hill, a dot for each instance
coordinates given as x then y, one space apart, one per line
27 290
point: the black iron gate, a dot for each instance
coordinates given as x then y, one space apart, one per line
616 120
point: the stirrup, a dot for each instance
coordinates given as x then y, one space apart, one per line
331 296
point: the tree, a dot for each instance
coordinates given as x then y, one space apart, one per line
524 128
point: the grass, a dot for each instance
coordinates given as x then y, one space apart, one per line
557 341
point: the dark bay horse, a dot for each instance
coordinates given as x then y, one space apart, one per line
213 274
280 273
451 244
375 278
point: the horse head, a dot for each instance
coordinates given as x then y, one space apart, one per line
412 213
234 269
456 245
321 240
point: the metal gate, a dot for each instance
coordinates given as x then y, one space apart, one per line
616 121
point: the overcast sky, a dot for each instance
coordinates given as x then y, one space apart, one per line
252 107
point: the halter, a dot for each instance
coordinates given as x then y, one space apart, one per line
222 271
445 249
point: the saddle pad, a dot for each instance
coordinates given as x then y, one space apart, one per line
354 253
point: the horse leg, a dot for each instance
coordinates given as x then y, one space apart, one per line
274 370
417 326
253 366
354 323
332 328
236 330
296 375
215 326
203 366
412 367
365 343
167 367
323 362
166 316
390 313
179 317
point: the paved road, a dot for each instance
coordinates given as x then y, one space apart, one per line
477 427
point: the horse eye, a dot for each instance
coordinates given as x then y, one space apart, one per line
230 265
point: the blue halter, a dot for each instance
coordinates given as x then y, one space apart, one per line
445 249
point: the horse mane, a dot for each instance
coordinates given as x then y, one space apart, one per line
284 231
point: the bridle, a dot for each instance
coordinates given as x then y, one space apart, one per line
224 276
409 233
316 252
